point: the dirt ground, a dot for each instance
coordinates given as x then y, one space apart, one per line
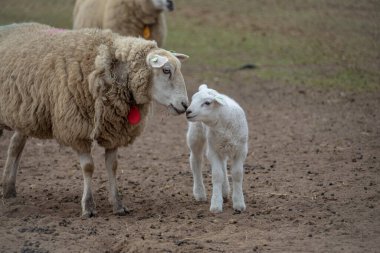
311 182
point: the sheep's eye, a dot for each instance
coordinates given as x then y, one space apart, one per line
166 71
207 103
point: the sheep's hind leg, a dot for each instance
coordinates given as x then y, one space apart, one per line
88 204
15 149
115 197
237 172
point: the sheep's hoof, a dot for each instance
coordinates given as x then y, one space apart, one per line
89 214
121 211
226 199
9 192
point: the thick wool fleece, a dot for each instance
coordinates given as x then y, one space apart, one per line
74 86
126 17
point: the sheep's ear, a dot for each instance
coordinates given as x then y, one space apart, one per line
181 57
202 87
220 100
156 61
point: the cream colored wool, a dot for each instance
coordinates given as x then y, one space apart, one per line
68 85
126 17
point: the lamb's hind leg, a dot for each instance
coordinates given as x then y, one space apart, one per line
226 183
217 181
237 172
15 149
88 204
115 198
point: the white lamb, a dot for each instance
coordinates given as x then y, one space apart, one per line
220 121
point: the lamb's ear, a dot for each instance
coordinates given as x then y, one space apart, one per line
220 100
181 57
202 87
156 61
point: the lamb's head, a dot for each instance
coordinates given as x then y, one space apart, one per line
168 85
205 105
163 5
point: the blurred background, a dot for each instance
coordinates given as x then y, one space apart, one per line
323 43
306 73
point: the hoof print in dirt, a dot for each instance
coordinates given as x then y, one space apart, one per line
122 211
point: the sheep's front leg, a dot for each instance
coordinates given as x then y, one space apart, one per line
15 149
237 171
88 204
115 198
217 182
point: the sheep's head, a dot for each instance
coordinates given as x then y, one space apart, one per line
205 105
168 85
163 5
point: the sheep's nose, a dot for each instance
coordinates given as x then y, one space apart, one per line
188 112
184 104
170 5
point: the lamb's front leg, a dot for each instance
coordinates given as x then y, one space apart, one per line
196 143
115 198
88 204
217 182
237 171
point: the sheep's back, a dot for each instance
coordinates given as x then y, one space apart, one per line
43 87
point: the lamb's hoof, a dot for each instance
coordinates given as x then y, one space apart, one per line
89 214
200 197
239 207
216 209
9 192
226 199
121 211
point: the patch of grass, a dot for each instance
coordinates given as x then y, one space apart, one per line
57 13
303 42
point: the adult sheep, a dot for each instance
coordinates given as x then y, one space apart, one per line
138 18
78 87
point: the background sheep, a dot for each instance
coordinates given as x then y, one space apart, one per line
139 18
221 122
80 86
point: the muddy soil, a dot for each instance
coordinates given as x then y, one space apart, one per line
311 182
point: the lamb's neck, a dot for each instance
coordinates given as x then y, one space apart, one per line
218 125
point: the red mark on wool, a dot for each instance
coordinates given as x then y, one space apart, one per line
134 115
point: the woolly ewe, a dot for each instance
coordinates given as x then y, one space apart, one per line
139 18
79 87
220 122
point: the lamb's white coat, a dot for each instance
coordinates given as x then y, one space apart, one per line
219 121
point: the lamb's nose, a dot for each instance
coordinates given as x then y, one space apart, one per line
188 112
184 105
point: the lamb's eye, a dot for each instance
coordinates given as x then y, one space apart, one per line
207 103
